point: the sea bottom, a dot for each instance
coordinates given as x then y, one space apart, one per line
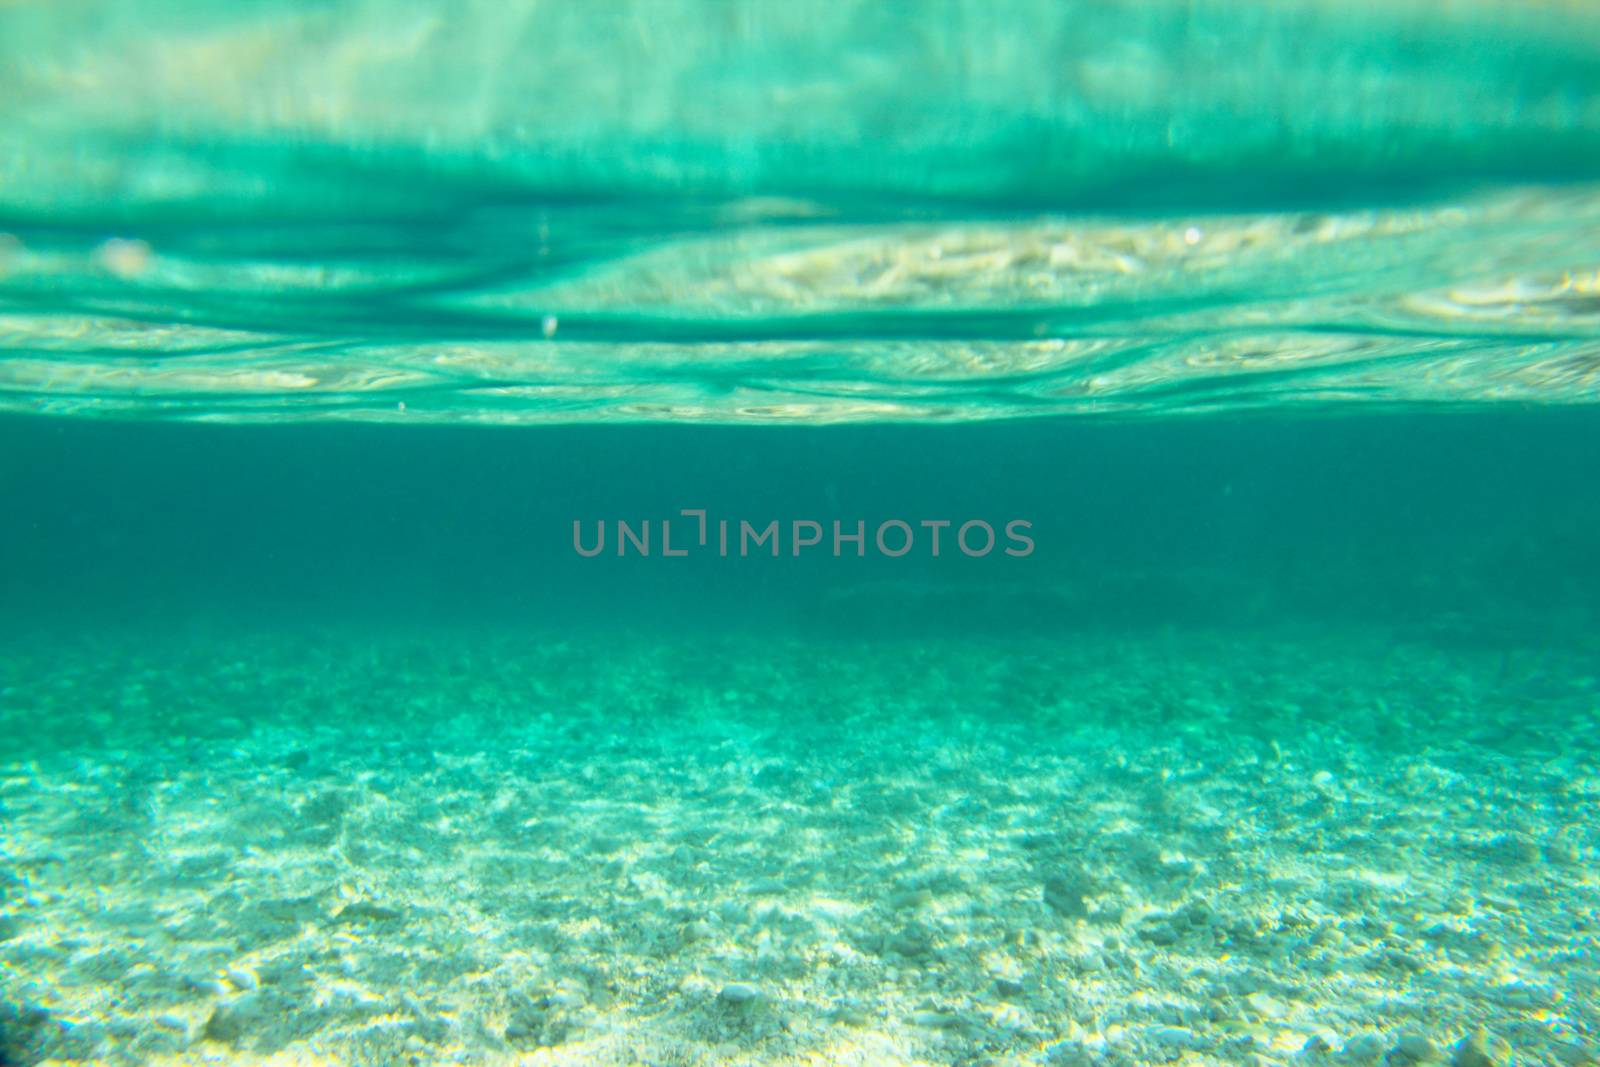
342 845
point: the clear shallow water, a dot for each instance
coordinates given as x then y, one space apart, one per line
324 744
857 212
319 744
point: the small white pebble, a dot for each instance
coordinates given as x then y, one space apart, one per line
549 325
1266 1005
241 978
1192 235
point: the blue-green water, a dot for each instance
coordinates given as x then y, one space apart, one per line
730 212
717 533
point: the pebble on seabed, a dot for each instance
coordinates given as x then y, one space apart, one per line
1363 1048
738 993
1481 1049
1415 1048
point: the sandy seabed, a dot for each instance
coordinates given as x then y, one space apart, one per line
1172 846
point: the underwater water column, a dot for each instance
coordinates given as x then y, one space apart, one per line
870 533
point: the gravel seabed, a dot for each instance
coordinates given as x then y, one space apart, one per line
1169 846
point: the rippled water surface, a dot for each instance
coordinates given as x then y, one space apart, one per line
642 211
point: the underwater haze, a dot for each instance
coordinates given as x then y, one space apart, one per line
719 532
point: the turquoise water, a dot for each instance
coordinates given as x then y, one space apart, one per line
837 212
713 533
